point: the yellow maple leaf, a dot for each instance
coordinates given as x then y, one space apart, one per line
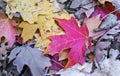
29 9
46 26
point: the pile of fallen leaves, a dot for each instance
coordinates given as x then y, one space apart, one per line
59 37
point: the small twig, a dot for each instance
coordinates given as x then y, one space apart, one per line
46 71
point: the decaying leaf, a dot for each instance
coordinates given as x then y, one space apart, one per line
75 36
29 9
32 57
7 29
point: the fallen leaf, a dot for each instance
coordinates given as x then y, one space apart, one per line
56 64
87 9
2 6
78 3
116 3
110 34
3 49
97 12
77 70
29 9
28 30
46 25
75 39
7 29
92 24
103 1
109 21
70 72
32 57
97 72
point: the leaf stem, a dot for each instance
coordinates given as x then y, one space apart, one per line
110 13
57 63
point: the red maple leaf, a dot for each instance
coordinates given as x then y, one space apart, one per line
75 39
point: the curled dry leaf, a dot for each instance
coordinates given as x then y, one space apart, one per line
32 57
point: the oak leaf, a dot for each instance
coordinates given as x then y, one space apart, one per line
75 39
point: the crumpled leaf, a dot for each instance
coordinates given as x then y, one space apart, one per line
7 29
110 34
32 57
88 9
109 21
107 37
3 49
29 9
75 36
46 26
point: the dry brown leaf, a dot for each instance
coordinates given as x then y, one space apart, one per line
92 24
